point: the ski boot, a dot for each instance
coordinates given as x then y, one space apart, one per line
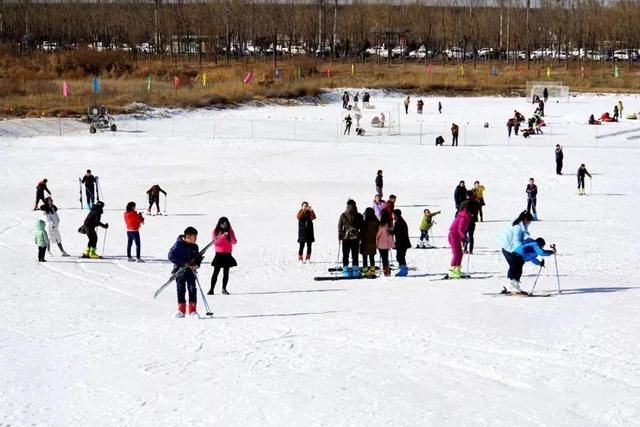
535 216
346 272
182 309
402 271
514 287
86 252
355 272
455 272
193 313
93 254
386 271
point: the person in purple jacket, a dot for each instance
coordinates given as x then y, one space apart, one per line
378 205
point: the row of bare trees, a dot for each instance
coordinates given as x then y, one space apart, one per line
341 30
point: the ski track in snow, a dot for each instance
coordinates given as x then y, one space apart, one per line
284 350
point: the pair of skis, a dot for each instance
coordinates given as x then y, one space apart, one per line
179 272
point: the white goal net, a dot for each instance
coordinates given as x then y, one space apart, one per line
556 90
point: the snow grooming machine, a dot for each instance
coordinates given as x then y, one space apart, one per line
99 119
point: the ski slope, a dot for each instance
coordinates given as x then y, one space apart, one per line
84 343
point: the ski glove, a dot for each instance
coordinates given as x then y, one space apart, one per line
542 263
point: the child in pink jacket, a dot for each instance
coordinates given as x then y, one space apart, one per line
457 233
385 241
224 238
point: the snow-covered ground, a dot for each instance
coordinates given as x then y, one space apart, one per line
84 343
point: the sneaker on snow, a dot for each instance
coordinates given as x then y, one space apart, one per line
130 259
179 315
514 287
139 260
65 254
224 292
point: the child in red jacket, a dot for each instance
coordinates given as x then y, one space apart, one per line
133 220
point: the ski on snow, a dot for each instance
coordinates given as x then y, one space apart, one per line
179 272
325 278
464 277
520 294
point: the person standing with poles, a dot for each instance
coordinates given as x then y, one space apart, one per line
582 171
40 189
532 199
154 198
559 158
89 182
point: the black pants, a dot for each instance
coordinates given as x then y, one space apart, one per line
368 260
93 237
509 130
187 282
401 256
531 204
384 255
558 167
516 262
90 196
301 248
154 200
454 141
133 236
41 252
225 277
469 240
350 246
406 109
39 197
581 182
347 129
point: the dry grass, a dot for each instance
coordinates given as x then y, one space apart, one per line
32 85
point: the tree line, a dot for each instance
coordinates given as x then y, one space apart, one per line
223 29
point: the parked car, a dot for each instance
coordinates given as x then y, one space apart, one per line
592 55
621 55
458 53
47 46
399 51
421 53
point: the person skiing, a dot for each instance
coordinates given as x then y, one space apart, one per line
347 127
89 182
459 195
457 232
52 219
40 189
378 205
133 220
349 226
439 107
224 239
89 228
41 239
306 236
454 134
541 108
385 242
368 234
407 101
425 226
379 183
545 94
582 171
532 198
185 252
478 191
510 238
526 252
559 158
365 100
154 198
401 235
472 206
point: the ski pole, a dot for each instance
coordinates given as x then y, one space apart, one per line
536 281
555 260
468 262
104 240
165 204
338 260
204 298
590 185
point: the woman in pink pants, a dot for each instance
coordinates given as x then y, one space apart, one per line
457 232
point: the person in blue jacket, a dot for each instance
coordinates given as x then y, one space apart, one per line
529 251
185 251
511 238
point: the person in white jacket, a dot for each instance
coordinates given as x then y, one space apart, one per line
50 212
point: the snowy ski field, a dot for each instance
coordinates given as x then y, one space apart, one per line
83 342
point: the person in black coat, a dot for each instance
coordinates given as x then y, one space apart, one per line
349 226
92 221
460 195
401 235
559 158
379 183
473 206
89 182
306 236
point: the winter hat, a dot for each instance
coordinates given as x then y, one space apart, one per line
351 202
100 204
540 241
